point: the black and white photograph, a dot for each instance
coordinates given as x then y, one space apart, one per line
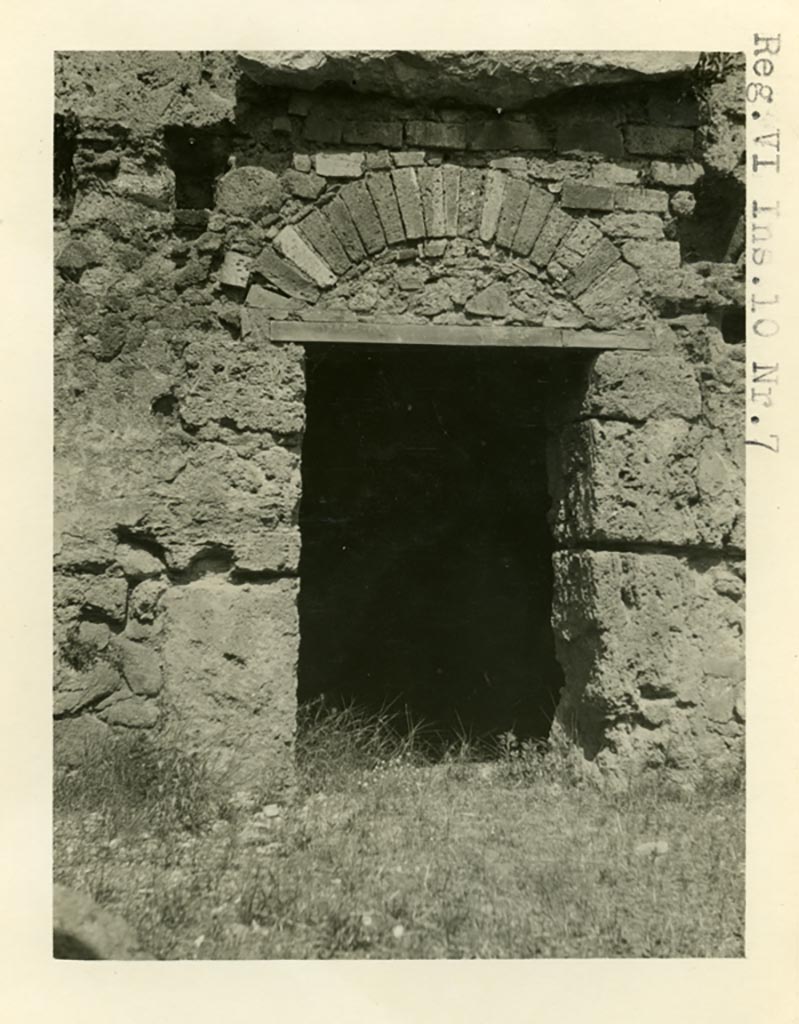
399 526
399 560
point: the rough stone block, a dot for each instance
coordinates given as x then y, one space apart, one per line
579 196
675 175
619 482
106 594
655 256
435 134
285 276
589 135
249 192
306 186
492 204
364 214
633 225
342 223
536 210
406 186
491 301
75 257
265 298
613 174
505 134
316 230
513 203
431 186
555 228
408 158
599 259
436 247
235 270
230 656
642 200
302 162
513 164
637 386
374 133
382 191
451 180
339 165
613 299
471 191
136 563
633 630
140 664
649 140
294 248
380 161
83 690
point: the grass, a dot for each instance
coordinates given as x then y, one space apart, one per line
382 853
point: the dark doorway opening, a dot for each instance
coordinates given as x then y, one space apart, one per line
426 574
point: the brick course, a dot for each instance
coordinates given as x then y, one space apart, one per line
647 140
587 197
505 134
435 135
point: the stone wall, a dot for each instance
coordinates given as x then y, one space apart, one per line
199 198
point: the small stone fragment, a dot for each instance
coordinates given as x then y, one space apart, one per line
683 204
235 270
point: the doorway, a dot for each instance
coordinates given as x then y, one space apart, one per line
426 573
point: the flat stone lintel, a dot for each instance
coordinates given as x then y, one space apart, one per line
440 334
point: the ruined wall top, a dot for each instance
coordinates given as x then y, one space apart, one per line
506 78
145 90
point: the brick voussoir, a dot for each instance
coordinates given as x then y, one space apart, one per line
294 247
452 186
317 231
535 214
492 204
552 233
382 192
285 276
513 203
431 186
344 226
364 214
598 260
406 186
